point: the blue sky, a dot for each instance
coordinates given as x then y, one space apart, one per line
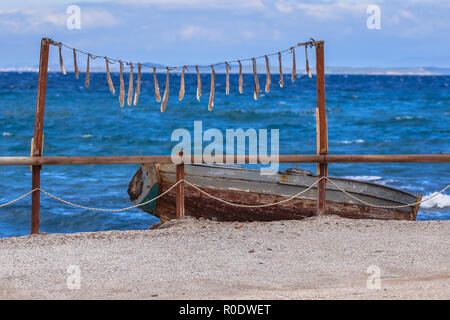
413 33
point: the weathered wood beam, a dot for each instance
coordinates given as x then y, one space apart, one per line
86 160
322 129
38 135
180 191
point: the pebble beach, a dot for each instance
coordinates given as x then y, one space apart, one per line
316 258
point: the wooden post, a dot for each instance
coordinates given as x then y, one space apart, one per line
38 135
180 190
321 122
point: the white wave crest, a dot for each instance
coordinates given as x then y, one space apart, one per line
440 201
352 141
6 134
407 118
85 136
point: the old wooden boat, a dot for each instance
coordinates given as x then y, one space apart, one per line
246 186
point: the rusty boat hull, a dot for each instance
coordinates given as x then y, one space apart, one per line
246 186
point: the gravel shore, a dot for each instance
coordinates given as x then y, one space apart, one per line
317 258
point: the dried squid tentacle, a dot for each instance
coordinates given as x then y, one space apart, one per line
199 84
227 67
122 86
155 80
108 77
130 85
241 79
255 76
182 85
86 83
166 93
61 63
211 93
294 67
75 65
281 70
268 79
138 86
307 62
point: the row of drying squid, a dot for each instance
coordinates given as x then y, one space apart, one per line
165 98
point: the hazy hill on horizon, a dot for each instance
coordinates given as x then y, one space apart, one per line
260 69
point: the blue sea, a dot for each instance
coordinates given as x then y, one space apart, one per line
366 115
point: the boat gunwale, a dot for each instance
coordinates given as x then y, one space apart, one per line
172 179
314 176
362 182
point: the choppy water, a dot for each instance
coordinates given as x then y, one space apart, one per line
366 115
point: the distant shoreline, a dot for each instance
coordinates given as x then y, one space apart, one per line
249 73
417 71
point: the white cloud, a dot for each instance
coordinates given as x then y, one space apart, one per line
199 4
198 32
400 16
21 21
284 6
97 18
323 10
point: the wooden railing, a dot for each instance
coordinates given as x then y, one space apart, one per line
322 158
325 159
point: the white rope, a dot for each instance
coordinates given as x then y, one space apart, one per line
256 205
386 207
90 208
222 200
15 200
112 210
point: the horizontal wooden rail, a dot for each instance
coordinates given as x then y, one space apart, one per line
227 159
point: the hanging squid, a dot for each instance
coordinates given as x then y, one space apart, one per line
182 86
108 77
122 86
166 93
138 86
255 76
61 64
294 67
307 63
281 70
87 71
241 79
211 94
75 65
130 85
227 67
155 80
268 80
199 84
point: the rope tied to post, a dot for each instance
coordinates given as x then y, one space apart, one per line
225 201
